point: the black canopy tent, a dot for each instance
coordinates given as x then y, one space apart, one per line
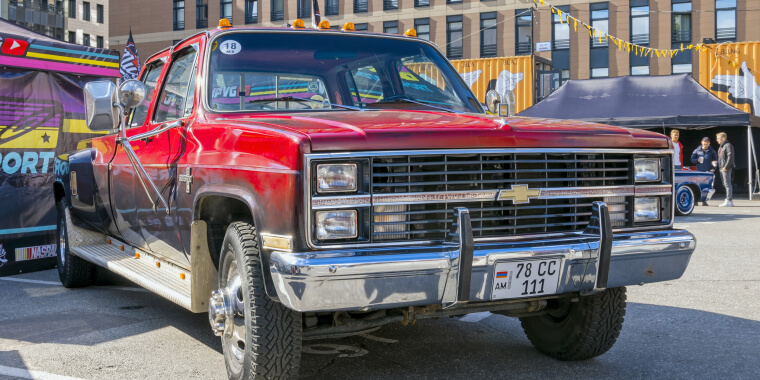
669 101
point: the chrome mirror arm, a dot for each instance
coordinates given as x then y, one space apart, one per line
142 175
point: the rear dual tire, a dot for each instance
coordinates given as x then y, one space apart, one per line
74 272
578 330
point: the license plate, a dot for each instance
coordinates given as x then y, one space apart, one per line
518 279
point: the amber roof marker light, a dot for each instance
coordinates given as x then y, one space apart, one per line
297 24
224 24
324 25
411 32
348 27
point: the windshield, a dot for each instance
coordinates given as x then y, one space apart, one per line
267 71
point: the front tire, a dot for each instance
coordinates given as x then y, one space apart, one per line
684 201
578 330
264 338
74 272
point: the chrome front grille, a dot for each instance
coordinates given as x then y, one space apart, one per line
442 173
456 172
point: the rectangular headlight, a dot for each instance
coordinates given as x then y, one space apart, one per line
333 225
646 209
336 178
647 169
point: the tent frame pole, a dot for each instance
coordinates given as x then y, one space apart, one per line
750 144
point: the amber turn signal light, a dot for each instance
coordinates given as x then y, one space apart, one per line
324 25
349 27
224 24
410 33
297 24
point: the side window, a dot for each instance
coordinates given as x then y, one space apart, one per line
150 80
365 85
178 93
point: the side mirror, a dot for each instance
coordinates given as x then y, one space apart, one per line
493 99
100 111
131 93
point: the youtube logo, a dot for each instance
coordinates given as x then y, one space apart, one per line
12 46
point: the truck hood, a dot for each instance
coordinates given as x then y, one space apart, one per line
412 129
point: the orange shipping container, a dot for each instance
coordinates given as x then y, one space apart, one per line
502 74
735 82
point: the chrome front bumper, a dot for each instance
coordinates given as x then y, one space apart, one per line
382 278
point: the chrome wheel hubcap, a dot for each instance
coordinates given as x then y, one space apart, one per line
226 313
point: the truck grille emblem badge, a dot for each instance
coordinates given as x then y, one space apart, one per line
518 194
187 178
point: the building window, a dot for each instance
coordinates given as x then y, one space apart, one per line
332 7
422 26
277 12
560 31
684 68
725 20
72 9
361 27
523 31
101 15
303 9
454 47
99 41
421 3
453 1
639 35
600 72
561 45
179 14
389 5
360 6
390 27
225 9
251 11
86 40
600 55
201 14
488 34
73 37
86 11
681 19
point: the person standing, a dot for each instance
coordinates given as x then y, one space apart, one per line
705 157
678 149
726 166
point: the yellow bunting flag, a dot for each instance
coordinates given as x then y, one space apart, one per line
657 52
627 45
554 10
575 25
681 46
559 13
542 2
690 46
648 50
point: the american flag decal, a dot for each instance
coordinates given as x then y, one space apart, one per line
130 61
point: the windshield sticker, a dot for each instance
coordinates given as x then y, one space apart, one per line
230 47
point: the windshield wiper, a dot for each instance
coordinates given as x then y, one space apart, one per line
406 99
295 98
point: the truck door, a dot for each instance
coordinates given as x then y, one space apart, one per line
162 158
123 176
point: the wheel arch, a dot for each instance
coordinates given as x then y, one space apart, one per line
219 205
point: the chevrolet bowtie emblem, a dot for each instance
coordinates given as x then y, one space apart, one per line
519 194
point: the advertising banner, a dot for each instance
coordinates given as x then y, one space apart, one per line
731 71
41 117
505 75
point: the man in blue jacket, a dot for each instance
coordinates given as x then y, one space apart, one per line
705 157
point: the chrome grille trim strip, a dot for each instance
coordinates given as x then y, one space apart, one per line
484 195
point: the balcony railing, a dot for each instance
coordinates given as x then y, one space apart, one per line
251 19
179 25
681 35
27 4
360 6
523 48
487 51
389 5
201 23
277 16
561 44
640 39
454 52
332 8
725 34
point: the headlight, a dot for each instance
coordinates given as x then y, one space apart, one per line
336 225
647 169
336 178
646 209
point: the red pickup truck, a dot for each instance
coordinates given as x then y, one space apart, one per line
298 184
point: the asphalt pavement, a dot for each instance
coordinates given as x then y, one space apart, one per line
704 325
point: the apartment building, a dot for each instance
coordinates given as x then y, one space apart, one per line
88 22
42 16
475 28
